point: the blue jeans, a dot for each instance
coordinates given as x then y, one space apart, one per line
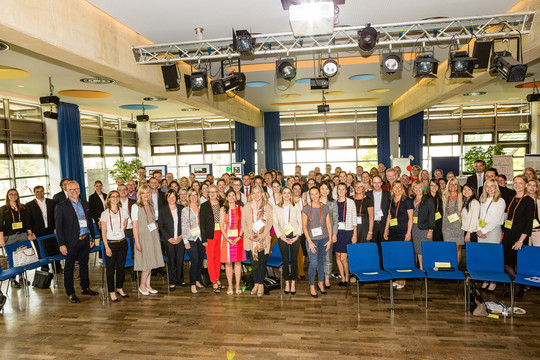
316 260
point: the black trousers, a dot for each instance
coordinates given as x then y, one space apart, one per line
285 248
259 267
78 250
116 263
175 262
378 236
196 255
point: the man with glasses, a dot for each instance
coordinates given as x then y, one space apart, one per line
74 226
381 202
141 173
391 176
131 189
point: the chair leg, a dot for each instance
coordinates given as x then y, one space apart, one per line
281 282
391 295
425 282
464 294
55 274
26 284
512 298
357 295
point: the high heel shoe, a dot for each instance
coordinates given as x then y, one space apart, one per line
152 291
146 293
124 296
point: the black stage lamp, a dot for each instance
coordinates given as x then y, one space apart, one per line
329 68
392 63
285 69
461 65
367 38
425 66
504 64
243 42
196 81
228 83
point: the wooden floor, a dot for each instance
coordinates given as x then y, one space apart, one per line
209 326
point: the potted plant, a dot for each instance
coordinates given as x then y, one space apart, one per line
479 153
127 170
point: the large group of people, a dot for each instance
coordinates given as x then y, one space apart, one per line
220 223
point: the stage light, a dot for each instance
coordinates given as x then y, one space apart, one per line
232 82
196 81
312 18
243 42
504 64
285 69
392 63
461 65
425 66
330 68
367 38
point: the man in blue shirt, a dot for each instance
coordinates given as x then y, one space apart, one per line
74 226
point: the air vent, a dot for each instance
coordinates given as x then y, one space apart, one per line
97 80
3 46
190 109
155 98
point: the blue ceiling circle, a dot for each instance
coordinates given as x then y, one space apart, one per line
257 84
138 107
362 77
303 81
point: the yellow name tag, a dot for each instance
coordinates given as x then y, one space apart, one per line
438 215
216 226
16 225
195 231
453 217
393 222
289 229
442 264
508 224
535 223
233 233
415 219
493 316
481 223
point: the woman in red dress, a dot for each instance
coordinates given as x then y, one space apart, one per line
232 245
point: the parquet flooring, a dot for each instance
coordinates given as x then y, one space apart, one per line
209 326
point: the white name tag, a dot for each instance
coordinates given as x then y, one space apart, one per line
258 225
341 225
379 213
129 224
152 226
83 223
359 220
195 231
452 218
316 231
116 235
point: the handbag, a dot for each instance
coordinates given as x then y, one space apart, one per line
42 279
23 256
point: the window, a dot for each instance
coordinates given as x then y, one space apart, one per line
130 150
2 148
478 138
341 142
514 136
217 147
191 148
163 149
112 150
28 149
287 144
444 139
91 150
367 141
311 144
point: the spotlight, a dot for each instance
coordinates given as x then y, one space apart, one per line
461 65
285 69
330 68
51 99
143 117
229 83
392 63
319 83
367 38
132 125
196 81
243 42
170 77
50 114
425 66
324 108
504 64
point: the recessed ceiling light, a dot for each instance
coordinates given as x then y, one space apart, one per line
4 46
257 84
97 80
155 98
362 77
475 93
381 90
290 95
190 109
21 86
303 81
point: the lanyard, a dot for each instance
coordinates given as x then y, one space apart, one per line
485 215
511 202
310 213
189 216
437 207
13 215
39 206
110 219
397 209
361 204
152 211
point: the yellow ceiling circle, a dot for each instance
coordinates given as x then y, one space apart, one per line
330 93
8 72
290 95
382 90
87 94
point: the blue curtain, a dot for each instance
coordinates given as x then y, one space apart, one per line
411 132
244 136
272 141
383 135
70 144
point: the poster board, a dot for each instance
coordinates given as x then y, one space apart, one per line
97 174
200 170
238 169
533 161
446 164
402 163
150 169
504 165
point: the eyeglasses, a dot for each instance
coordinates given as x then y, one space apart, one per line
74 189
114 197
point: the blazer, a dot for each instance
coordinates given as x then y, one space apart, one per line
385 204
165 222
469 218
96 206
247 225
426 213
59 197
67 223
37 224
473 180
206 220
280 222
493 214
350 214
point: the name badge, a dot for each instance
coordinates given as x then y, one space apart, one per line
481 223
341 225
508 224
535 224
316 231
258 225
379 213
233 233
415 219
359 220
393 222
117 235
152 226
83 223
289 229
216 226
195 231
452 218
16 225
438 215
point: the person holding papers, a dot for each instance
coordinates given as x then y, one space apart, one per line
191 234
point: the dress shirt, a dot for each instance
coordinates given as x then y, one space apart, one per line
80 215
155 201
377 198
43 207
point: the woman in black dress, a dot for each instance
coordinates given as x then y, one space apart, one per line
365 211
434 192
517 227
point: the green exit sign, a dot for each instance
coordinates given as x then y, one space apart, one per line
524 126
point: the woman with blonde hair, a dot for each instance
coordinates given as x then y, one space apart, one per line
184 183
423 218
533 190
424 178
530 174
451 227
191 235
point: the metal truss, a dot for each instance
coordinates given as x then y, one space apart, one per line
398 35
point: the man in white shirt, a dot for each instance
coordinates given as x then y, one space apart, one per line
157 196
246 180
478 178
127 203
381 203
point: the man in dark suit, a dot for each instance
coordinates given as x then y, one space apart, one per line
506 193
246 185
478 178
74 226
381 202
157 196
41 216
127 204
62 195
97 202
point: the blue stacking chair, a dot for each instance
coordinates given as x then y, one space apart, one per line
399 260
41 262
8 274
364 265
528 265
439 251
485 262
97 248
276 261
53 258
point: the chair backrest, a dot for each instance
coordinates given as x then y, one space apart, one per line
103 255
129 250
96 230
485 257
528 261
398 255
363 257
12 247
438 251
275 252
40 244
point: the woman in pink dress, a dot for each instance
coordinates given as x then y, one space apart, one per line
232 245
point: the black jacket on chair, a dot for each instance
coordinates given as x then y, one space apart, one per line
165 222
206 219
67 223
37 224
385 204
96 206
